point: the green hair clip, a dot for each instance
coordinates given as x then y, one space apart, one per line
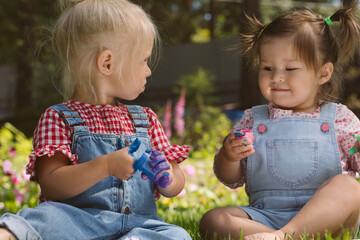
354 150
328 21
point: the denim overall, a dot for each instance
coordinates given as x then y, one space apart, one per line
111 209
293 157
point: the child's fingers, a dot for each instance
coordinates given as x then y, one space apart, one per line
243 148
233 142
240 152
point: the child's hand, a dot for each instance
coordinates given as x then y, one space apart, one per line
238 145
155 169
120 164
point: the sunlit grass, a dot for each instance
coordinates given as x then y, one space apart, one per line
204 192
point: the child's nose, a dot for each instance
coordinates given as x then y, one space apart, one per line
277 76
148 72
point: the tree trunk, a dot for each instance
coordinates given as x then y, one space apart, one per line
212 20
25 53
249 94
23 112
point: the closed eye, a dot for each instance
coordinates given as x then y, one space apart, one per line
291 69
268 68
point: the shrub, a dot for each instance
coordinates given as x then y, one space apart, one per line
16 190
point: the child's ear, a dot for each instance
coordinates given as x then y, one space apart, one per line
104 62
326 72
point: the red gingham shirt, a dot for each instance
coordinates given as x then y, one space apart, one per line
52 135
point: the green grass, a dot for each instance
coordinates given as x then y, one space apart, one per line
203 193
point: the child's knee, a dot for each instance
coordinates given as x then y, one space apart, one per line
212 220
347 182
207 218
348 185
207 222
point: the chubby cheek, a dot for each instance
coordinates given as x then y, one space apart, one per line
264 87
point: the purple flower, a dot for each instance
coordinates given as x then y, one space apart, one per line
179 114
14 179
25 175
12 152
6 165
7 168
189 170
167 119
19 196
182 193
193 187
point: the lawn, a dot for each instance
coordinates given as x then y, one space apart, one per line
202 190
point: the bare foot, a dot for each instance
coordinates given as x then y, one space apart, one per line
6 235
277 235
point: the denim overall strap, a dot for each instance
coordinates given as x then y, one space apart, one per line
139 193
139 118
293 156
260 112
71 118
111 209
328 111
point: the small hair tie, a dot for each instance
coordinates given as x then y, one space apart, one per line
328 21
263 30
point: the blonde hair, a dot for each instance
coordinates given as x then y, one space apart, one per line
87 27
313 40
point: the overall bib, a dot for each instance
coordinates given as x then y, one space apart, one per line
293 157
112 208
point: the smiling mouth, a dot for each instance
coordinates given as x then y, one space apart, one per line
280 89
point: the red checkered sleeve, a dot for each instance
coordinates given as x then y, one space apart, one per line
50 136
160 142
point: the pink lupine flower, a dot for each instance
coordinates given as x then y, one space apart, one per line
182 193
25 176
189 170
15 180
6 165
12 152
19 196
7 168
167 119
193 187
179 114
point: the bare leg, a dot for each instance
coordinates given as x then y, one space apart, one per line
334 206
6 235
220 222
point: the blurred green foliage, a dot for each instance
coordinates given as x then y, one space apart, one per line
205 124
16 191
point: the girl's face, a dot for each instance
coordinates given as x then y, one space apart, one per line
284 79
134 74
130 83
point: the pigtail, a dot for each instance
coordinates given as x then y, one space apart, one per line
348 35
249 44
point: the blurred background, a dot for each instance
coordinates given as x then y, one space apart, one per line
196 56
